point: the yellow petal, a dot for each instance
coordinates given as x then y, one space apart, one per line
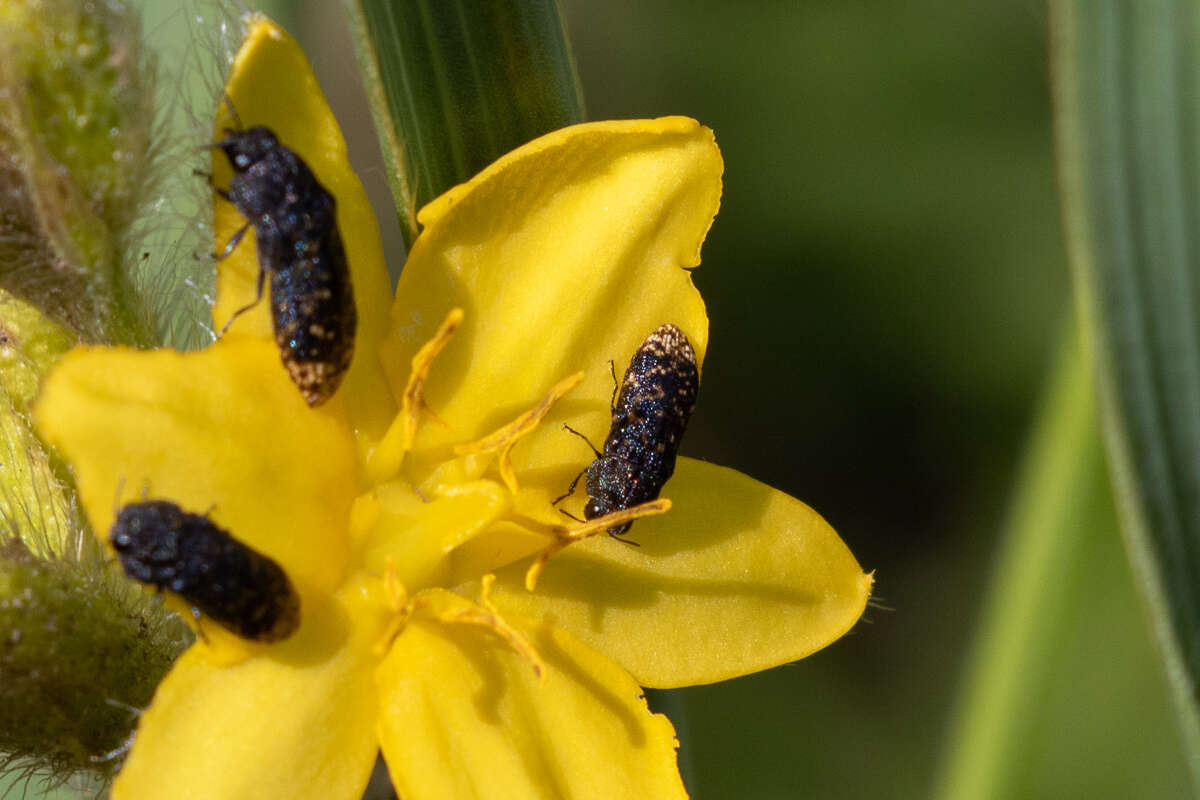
564 254
296 724
221 429
272 84
736 578
464 716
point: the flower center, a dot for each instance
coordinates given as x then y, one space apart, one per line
455 504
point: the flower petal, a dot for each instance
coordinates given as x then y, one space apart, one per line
295 724
736 578
464 716
272 84
221 429
564 254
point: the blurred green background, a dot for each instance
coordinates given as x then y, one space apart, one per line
886 283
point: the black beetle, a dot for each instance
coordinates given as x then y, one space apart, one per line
649 415
240 589
295 225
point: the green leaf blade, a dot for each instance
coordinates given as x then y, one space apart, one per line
454 85
1126 78
1062 659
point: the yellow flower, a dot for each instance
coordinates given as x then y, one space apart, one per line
561 256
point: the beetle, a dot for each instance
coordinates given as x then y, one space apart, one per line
242 590
649 415
295 225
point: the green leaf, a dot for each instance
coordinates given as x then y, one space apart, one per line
454 84
1127 92
1062 659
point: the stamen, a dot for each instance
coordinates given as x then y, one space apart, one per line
461 612
413 401
393 587
568 536
397 598
486 615
385 461
503 439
